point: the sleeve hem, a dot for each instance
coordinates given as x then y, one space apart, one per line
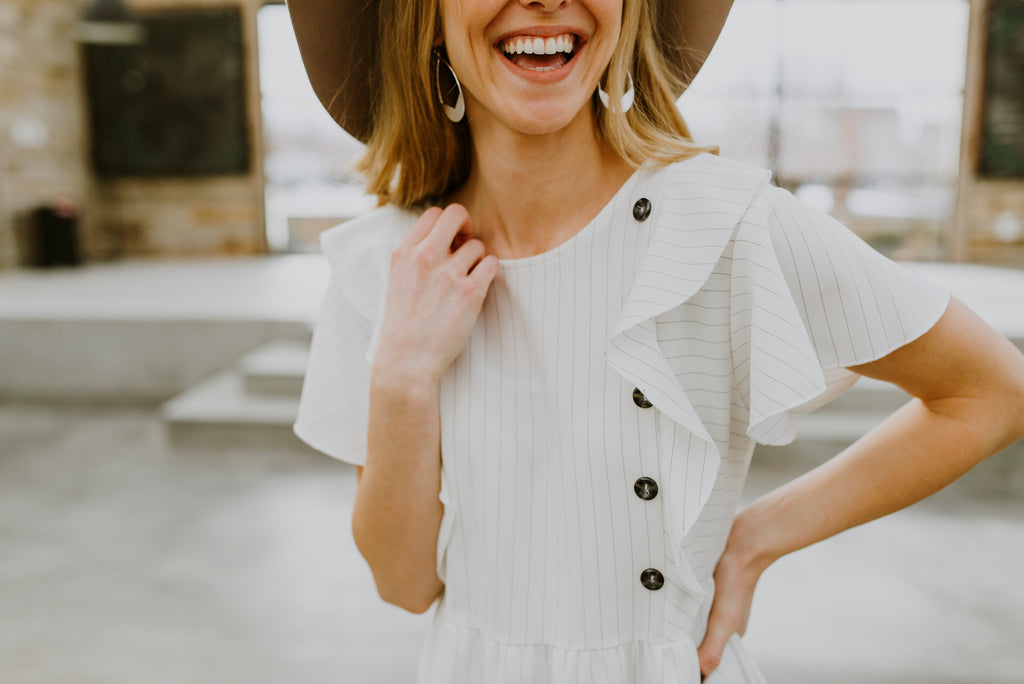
325 446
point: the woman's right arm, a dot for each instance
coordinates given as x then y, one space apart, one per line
434 298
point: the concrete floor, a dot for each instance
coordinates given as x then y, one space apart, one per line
123 560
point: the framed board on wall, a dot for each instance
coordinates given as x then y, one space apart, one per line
1002 136
174 105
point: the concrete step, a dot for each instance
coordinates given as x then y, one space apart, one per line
218 412
124 360
276 369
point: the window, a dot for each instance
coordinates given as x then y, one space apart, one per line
307 156
856 106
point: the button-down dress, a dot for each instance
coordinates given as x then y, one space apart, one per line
597 429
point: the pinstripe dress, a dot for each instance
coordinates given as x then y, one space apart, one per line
597 429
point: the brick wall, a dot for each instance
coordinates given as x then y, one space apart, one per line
990 212
42 121
44 154
221 215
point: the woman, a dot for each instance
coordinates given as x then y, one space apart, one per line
553 378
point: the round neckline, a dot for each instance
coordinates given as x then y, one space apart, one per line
579 236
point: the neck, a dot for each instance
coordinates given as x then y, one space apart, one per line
530 193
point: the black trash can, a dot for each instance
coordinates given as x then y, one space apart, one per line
54 234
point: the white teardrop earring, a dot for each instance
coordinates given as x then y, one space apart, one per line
626 103
456 112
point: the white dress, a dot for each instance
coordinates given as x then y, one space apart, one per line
597 429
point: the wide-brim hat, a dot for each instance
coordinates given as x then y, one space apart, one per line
338 43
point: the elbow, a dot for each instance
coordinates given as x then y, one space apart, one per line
397 582
1012 405
1018 414
1010 410
1015 400
400 589
413 602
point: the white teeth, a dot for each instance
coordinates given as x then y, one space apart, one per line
539 46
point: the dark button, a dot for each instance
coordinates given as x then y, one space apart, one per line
645 488
640 400
642 209
652 579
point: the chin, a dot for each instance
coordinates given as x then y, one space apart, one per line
543 120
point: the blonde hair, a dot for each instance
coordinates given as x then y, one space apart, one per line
415 155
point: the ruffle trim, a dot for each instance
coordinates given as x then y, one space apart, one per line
452 653
698 208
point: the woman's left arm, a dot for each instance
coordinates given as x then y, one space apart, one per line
968 387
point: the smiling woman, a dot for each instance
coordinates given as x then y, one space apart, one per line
553 349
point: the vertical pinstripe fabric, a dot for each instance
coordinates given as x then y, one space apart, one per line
731 308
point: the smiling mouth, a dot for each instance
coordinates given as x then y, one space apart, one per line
540 54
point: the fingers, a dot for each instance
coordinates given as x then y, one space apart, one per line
423 225
484 273
720 628
446 235
467 256
449 223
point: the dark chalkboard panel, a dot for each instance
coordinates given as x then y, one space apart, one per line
1002 143
175 105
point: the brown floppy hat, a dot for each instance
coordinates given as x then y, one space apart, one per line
338 43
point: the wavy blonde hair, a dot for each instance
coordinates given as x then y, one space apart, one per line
414 155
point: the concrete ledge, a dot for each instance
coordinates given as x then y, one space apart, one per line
123 359
147 330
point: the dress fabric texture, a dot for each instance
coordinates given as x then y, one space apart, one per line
597 429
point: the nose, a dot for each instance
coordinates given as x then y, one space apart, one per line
545 5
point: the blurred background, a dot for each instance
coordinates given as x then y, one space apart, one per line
165 171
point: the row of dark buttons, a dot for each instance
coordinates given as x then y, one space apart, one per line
645 487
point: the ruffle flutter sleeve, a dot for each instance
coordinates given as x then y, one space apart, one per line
333 407
332 415
810 299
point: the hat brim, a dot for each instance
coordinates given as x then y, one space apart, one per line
338 43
